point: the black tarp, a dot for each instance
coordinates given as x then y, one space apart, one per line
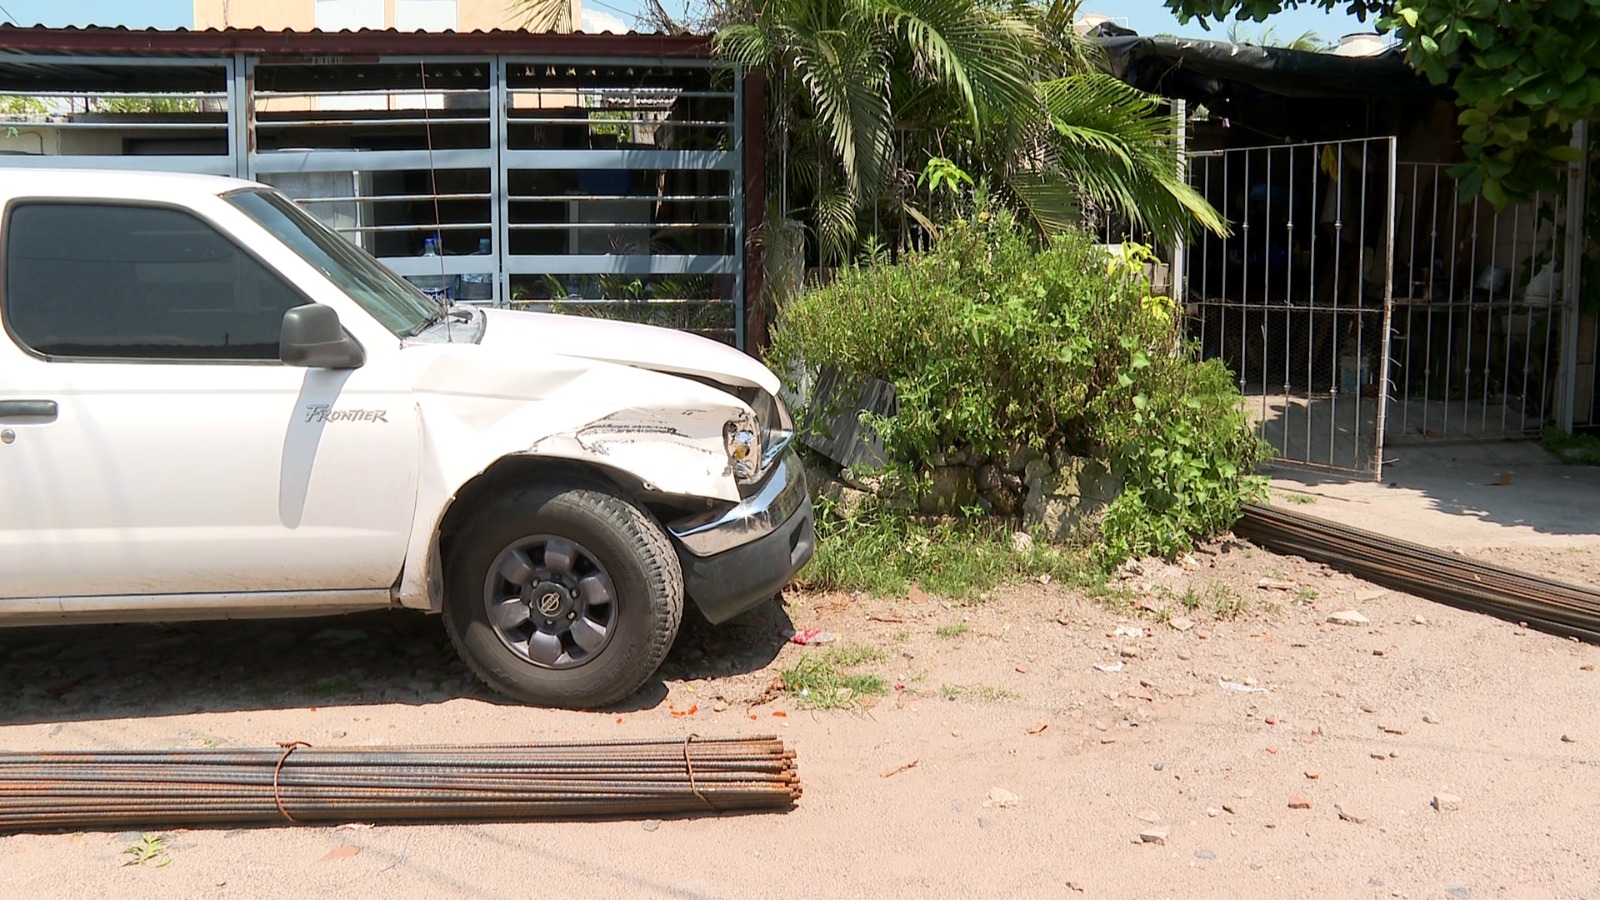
1196 69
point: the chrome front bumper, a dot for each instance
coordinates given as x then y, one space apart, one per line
780 496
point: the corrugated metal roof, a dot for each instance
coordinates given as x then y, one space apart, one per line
366 42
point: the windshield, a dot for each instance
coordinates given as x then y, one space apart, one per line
390 299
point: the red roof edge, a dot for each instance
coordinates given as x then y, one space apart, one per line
258 41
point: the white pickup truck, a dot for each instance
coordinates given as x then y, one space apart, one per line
212 406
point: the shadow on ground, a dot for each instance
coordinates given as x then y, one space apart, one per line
62 673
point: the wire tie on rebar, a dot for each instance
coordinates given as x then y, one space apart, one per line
277 794
688 764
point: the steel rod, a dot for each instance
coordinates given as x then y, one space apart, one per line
299 783
1505 593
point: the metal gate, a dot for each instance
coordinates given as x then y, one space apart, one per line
1477 311
1362 305
1296 301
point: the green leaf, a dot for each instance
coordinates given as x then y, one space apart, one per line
1495 193
1502 56
1565 153
1140 401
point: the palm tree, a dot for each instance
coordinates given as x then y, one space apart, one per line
1309 40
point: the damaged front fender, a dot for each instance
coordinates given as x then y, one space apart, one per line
663 430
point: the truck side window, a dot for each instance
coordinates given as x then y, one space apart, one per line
101 281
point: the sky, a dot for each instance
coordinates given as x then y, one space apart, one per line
1143 16
133 13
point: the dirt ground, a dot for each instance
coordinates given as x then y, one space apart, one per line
1004 759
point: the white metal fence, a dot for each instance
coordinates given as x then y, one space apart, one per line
587 185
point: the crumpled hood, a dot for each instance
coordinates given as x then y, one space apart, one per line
625 343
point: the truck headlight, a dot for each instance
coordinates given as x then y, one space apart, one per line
754 442
777 426
743 437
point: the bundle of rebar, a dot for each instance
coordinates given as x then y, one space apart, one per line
296 782
1425 572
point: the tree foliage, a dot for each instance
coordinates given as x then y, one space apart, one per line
865 93
1524 71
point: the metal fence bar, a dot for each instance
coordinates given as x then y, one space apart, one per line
1386 336
1511 304
1527 331
1433 254
1338 272
1311 314
1571 316
736 188
1361 302
620 264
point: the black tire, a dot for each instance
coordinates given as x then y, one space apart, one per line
577 544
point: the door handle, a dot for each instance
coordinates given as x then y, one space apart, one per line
30 410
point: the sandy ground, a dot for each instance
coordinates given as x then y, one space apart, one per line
901 799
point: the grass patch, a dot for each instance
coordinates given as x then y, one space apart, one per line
1302 499
819 681
1573 449
852 655
881 551
1306 594
985 692
1119 598
150 849
953 630
1225 604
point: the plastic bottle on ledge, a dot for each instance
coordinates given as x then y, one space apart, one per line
435 286
477 287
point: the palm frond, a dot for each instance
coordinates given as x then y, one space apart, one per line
783 257
844 80
918 216
981 54
745 44
545 15
1050 204
835 217
1121 150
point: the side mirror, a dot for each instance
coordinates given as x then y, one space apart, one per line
312 337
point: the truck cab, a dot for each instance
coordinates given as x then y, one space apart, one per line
212 406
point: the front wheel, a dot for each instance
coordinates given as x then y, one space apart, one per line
562 596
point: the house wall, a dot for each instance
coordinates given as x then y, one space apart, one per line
303 15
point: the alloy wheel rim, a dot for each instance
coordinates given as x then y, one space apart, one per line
550 601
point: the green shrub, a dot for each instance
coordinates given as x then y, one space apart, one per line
992 342
984 339
1174 428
